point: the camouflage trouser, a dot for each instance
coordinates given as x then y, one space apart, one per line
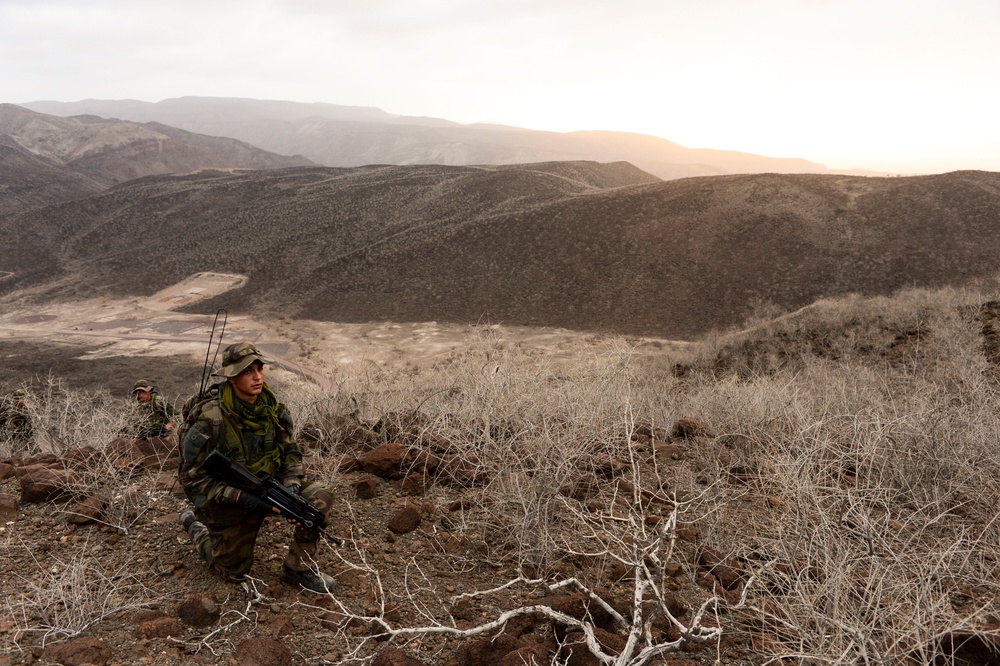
144 431
230 534
149 432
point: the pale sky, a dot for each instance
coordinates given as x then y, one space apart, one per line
901 86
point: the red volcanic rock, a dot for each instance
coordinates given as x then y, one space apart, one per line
395 657
8 507
688 428
386 461
263 651
46 484
726 569
161 627
88 511
79 651
406 520
199 610
366 487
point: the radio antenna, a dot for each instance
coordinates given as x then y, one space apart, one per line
211 338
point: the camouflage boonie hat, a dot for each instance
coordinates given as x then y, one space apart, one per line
143 385
238 356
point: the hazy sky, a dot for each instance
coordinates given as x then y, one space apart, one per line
901 86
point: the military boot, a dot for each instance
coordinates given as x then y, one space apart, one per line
310 580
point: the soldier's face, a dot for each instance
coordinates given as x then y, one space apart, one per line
142 396
249 383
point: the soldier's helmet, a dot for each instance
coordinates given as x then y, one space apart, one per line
143 385
238 356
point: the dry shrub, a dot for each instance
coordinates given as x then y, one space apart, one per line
530 422
883 467
64 419
853 469
65 598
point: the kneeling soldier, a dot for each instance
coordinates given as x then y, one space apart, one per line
244 420
156 413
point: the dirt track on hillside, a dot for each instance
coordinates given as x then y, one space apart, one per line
112 343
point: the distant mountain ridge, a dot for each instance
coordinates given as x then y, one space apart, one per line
349 136
580 245
46 158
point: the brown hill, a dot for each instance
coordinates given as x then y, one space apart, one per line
574 245
48 159
29 181
348 136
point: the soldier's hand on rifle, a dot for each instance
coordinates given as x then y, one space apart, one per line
252 503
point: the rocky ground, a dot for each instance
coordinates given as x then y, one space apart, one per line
69 559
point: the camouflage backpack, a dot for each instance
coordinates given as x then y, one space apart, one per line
194 408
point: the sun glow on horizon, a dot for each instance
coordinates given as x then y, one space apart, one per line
886 85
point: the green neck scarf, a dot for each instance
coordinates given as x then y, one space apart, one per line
256 418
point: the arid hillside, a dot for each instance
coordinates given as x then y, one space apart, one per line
574 245
820 488
46 159
348 136
29 180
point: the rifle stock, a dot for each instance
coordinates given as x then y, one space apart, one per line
222 468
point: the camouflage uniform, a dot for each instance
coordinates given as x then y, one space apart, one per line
15 423
225 530
157 413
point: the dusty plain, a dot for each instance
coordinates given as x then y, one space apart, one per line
110 343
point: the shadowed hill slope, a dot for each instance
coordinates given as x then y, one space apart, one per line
28 180
176 225
676 259
576 245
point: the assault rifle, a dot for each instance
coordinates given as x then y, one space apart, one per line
292 505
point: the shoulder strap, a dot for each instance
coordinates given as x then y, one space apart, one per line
207 405
212 410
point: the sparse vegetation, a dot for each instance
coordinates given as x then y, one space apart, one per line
820 488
